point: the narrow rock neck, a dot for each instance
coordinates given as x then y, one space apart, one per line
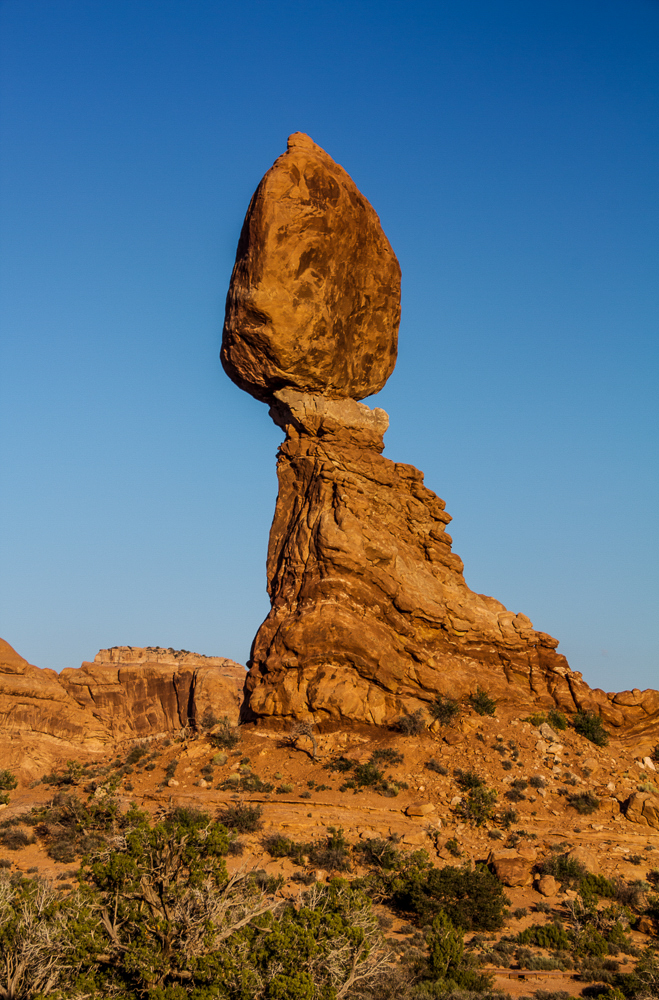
302 413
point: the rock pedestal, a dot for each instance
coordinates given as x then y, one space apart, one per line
371 615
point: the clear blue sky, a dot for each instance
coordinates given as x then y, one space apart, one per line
510 149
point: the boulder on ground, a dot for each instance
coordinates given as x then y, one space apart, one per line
510 867
643 808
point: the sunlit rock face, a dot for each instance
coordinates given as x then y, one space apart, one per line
370 612
314 299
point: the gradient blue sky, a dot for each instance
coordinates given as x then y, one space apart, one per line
510 149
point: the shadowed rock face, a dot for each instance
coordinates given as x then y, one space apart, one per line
314 299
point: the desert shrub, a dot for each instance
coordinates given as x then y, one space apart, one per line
14 839
366 775
207 720
444 710
552 936
507 765
71 828
246 781
507 817
567 870
379 852
241 818
412 723
590 726
557 720
226 736
481 702
478 804
468 780
330 852
170 770
537 781
536 719
385 755
8 780
136 754
434 765
585 803
472 899
453 847
73 774
284 790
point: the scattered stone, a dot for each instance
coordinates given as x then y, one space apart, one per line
419 809
547 885
548 733
172 783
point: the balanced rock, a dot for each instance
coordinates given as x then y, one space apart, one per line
370 613
314 299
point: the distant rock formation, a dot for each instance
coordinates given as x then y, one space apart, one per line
371 616
126 693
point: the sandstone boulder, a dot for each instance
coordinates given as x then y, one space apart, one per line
314 299
643 808
420 809
547 885
510 867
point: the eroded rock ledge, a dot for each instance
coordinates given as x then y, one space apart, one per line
371 615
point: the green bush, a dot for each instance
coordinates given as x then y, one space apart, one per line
590 726
136 754
536 719
8 781
477 806
472 899
226 736
481 702
386 755
453 847
14 839
330 852
367 775
557 720
553 937
444 710
567 870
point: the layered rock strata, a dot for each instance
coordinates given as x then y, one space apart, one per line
371 616
126 693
